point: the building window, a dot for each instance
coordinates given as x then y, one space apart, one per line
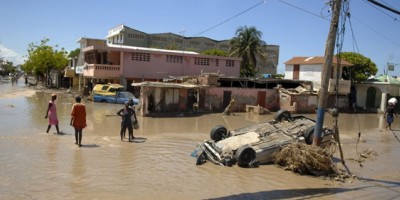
145 57
224 46
194 43
230 63
202 61
208 44
158 38
174 59
135 36
178 41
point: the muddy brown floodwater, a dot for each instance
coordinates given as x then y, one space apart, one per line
158 165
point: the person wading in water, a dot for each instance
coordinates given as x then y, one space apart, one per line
78 119
51 113
126 122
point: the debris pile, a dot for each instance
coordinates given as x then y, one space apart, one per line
300 90
306 159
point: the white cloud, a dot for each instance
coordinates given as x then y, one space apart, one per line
10 55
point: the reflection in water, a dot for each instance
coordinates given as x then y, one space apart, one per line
78 171
47 166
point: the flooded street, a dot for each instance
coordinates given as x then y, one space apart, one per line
158 165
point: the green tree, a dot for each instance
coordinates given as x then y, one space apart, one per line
74 53
248 45
9 67
42 58
215 52
362 67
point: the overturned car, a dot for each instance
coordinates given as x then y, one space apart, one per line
258 144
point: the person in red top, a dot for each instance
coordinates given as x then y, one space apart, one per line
78 119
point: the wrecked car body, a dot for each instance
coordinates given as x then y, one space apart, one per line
258 144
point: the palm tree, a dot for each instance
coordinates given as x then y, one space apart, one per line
248 45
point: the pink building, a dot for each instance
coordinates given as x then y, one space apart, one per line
126 64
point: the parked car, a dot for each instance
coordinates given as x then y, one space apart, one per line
258 144
107 89
119 97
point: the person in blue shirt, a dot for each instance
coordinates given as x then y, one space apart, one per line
389 114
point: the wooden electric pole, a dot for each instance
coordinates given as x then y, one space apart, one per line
326 71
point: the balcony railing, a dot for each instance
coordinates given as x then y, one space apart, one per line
102 71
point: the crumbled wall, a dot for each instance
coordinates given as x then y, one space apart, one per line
243 96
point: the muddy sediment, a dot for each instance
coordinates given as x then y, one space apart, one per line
36 165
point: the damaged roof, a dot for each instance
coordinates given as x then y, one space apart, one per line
315 60
384 79
168 85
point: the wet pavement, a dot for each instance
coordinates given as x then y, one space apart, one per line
157 165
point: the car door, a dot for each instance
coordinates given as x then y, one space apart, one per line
119 98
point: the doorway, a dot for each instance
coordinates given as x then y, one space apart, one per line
371 95
226 99
261 98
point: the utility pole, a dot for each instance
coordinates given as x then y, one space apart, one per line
326 71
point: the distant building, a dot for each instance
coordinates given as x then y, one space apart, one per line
211 93
117 63
373 94
124 35
310 69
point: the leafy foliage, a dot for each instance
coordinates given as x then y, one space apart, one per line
43 58
8 67
362 69
248 45
278 75
74 53
215 52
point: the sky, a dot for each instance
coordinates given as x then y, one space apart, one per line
298 27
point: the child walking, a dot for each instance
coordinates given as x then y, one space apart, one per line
51 113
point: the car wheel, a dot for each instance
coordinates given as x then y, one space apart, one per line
245 155
103 101
218 133
309 135
282 114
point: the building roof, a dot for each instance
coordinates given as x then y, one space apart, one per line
168 85
382 80
263 80
314 61
150 49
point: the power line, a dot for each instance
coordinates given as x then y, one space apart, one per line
395 19
394 42
383 6
384 36
231 18
354 38
387 4
306 11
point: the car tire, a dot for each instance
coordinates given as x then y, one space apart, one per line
309 135
282 114
245 155
103 101
218 133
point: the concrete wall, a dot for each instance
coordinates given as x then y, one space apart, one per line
298 103
243 96
159 68
310 73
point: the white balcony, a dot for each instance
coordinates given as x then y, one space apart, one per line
102 71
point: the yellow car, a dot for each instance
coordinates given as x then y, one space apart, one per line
107 89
